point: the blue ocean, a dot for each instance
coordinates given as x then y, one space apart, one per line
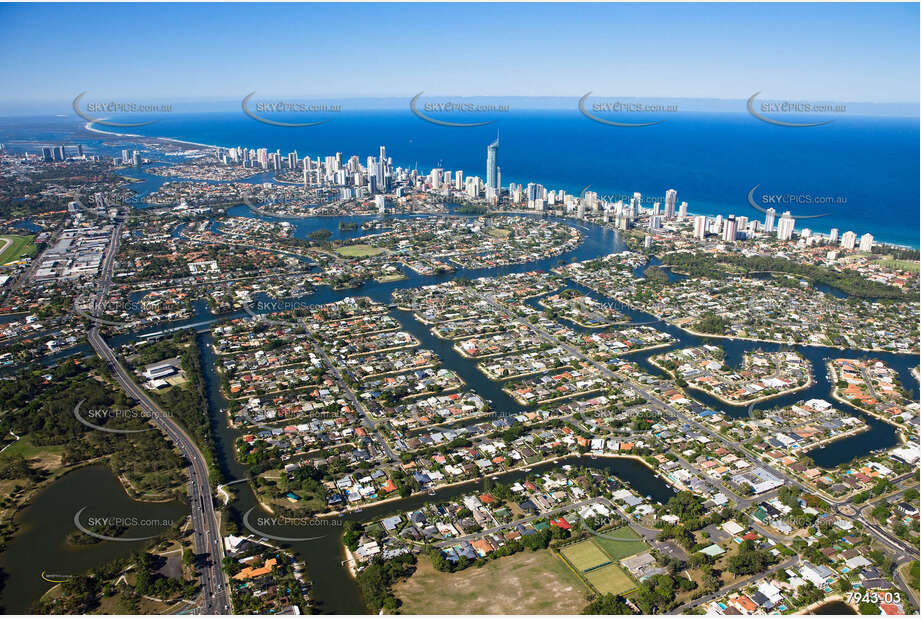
868 165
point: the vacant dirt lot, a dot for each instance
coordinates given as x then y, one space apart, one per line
526 583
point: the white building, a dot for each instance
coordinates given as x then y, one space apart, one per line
700 227
785 226
849 240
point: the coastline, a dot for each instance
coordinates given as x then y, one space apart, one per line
707 208
89 127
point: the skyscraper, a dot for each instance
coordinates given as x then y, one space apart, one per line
785 226
769 220
849 240
635 205
741 223
866 243
833 235
683 211
730 229
700 227
671 198
492 166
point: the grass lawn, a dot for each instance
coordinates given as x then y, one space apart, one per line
620 549
908 265
611 579
359 251
529 582
498 232
585 555
48 457
313 503
20 246
910 571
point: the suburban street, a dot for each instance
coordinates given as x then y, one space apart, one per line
898 550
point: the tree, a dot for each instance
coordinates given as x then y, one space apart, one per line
881 512
321 235
749 559
608 605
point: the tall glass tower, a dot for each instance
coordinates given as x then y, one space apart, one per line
492 169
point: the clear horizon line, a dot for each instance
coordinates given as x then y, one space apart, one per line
426 94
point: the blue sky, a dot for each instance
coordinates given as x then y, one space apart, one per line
841 52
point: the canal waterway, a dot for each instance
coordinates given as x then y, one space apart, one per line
333 589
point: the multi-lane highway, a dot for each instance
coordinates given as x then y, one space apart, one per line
206 534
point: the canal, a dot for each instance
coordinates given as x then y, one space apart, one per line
334 591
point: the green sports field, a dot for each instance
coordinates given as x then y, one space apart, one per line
585 555
610 579
359 251
620 549
19 246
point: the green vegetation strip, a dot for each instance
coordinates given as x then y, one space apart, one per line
715 267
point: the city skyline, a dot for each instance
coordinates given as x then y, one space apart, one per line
459 309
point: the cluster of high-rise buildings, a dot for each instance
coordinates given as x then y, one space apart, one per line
354 180
59 153
131 157
379 178
737 228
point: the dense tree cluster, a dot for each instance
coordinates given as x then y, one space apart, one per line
718 266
